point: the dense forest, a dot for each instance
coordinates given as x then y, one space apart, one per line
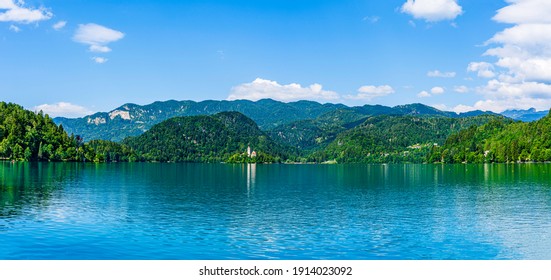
497 141
359 134
28 136
221 137
393 139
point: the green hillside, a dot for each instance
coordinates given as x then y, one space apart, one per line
387 139
29 136
221 137
498 141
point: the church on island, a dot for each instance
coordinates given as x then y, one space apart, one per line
250 153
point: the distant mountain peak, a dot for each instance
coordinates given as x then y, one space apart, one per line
527 115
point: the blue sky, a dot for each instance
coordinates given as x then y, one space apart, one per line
74 57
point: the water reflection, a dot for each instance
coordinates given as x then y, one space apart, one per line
30 184
251 177
226 211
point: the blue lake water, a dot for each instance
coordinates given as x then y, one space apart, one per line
223 211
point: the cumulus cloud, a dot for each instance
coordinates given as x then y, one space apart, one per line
433 91
438 74
432 10
441 107
521 74
424 94
523 11
261 88
59 25
437 90
97 36
63 109
483 69
503 95
461 89
464 108
370 92
16 11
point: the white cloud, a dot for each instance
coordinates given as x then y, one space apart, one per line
441 107
483 69
524 50
97 36
370 92
525 11
16 11
438 74
464 108
461 89
432 10
521 75
99 49
59 25
99 60
423 94
437 90
15 28
501 96
261 88
63 109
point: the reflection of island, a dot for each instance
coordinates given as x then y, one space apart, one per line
251 176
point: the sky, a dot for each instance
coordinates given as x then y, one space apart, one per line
73 57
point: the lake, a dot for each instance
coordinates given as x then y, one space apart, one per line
223 211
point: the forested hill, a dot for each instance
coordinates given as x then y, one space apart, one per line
316 134
133 120
221 137
395 139
28 136
498 141
25 135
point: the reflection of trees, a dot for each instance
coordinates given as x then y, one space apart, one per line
23 184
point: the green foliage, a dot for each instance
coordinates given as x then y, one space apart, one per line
392 139
217 138
24 133
26 136
316 134
498 141
311 136
244 158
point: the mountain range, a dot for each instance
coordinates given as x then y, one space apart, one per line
525 115
312 132
270 115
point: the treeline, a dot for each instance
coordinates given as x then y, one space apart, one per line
28 136
341 137
498 141
394 139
